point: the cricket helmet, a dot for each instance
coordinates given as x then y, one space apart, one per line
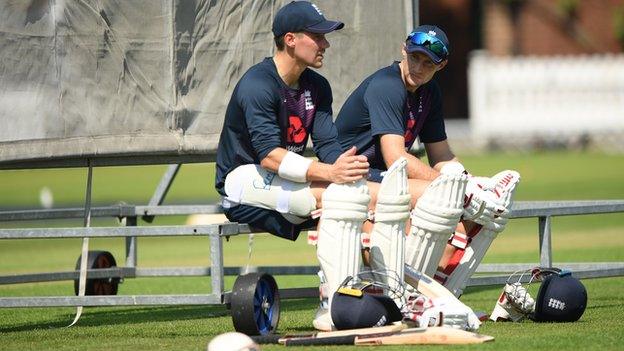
561 298
363 304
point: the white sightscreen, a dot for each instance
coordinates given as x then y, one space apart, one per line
86 79
524 97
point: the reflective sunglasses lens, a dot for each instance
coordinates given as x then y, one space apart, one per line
431 43
438 49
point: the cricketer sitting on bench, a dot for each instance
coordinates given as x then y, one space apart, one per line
455 216
266 182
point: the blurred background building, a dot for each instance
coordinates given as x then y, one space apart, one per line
528 74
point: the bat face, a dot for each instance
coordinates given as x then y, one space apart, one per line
426 284
428 336
388 329
410 336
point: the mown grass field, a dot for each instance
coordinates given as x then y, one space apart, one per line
547 176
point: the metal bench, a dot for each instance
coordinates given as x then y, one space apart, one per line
543 210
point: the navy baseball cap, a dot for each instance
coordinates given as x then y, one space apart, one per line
429 40
299 16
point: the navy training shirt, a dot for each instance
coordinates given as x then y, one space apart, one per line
382 105
264 114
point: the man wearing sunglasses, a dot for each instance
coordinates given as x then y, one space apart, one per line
399 103
454 218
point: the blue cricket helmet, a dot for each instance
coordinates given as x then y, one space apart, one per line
362 305
561 298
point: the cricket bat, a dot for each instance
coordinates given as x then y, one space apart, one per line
411 336
431 288
284 339
425 284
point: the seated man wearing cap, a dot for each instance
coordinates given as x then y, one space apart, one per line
277 105
454 219
261 173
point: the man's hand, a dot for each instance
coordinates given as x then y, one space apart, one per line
349 167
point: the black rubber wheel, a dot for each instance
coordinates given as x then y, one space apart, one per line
104 286
255 304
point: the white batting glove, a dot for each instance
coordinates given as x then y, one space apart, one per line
442 311
514 304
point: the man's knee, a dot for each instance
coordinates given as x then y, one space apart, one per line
254 186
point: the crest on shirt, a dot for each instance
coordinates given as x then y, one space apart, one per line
309 105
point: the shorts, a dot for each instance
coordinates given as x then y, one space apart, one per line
268 220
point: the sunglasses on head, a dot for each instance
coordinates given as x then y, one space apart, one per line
429 42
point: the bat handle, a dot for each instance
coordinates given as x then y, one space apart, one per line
266 339
333 340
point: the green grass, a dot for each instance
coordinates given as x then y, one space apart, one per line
191 327
547 176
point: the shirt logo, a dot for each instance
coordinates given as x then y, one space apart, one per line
296 131
410 133
556 304
309 105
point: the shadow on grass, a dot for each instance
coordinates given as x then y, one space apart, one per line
99 316
102 316
601 306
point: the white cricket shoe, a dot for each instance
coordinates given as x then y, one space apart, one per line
322 320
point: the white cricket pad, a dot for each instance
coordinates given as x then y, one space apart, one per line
490 198
473 254
387 240
456 276
434 218
255 186
345 208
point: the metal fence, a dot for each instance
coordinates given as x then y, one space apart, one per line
216 233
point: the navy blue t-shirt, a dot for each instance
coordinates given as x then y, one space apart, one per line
264 113
382 105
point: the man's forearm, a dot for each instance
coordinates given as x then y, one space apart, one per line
417 169
291 166
273 160
438 165
393 147
319 171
